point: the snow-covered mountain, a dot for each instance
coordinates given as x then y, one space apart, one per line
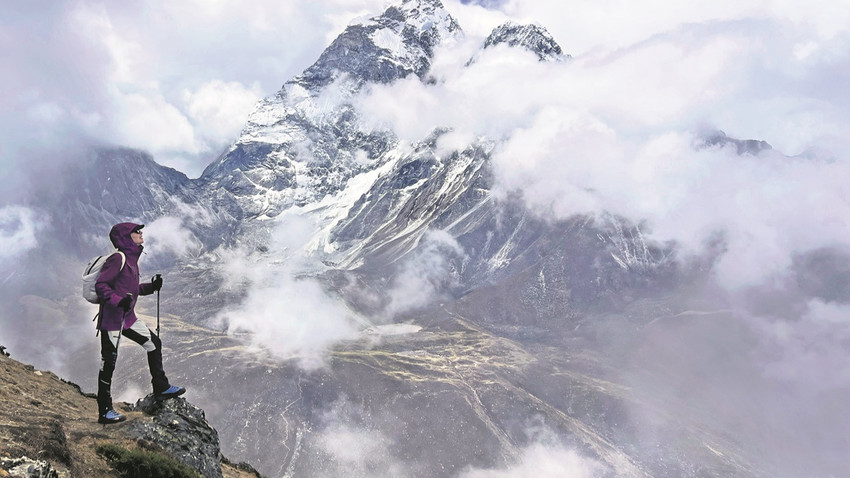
533 38
305 143
533 315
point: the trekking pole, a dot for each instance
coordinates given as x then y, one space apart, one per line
157 306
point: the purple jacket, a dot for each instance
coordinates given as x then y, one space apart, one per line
114 283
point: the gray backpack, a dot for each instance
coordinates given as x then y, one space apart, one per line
91 272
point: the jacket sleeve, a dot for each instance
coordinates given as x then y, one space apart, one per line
108 274
146 288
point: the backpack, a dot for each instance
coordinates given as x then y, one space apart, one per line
92 271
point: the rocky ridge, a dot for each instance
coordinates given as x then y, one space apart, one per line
533 38
48 428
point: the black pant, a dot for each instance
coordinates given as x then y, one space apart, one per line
140 334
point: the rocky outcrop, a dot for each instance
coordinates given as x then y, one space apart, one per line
180 430
25 467
49 429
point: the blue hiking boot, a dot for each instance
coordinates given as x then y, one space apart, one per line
171 392
111 416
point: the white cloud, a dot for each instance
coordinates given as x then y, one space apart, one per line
149 122
285 311
544 461
809 352
543 457
351 445
767 207
169 235
581 27
426 276
614 130
100 32
171 77
19 229
293 318
220 109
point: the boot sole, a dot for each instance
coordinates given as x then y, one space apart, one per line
106 421
160 398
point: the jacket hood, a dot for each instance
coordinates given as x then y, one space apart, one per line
120 237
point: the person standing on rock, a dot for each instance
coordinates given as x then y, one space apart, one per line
118 288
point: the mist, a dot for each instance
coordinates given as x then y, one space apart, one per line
424 278
587 136
285 311
43 318
19 228
544 461
160 77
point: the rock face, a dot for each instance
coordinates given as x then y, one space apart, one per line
533 38
118 182
386 48
181 430
26 468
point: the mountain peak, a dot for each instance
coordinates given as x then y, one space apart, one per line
532 37
382 49
719 139
299 146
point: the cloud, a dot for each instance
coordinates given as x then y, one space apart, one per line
766 207
614 24
357 451
284 311
774 377
425 277
617 130
544 457
355 447
352 446
809 352
19 230
292 318
169 235
219 108
542 461
147 121
163 77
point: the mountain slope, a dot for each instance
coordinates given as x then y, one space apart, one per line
51 420
305 143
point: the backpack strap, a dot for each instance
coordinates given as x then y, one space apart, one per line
100 309
99 315
123 259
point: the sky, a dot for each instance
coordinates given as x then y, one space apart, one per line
179 78
612 129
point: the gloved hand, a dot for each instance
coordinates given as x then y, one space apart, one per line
156 282
125 302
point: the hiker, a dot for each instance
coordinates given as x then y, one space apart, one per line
118 288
